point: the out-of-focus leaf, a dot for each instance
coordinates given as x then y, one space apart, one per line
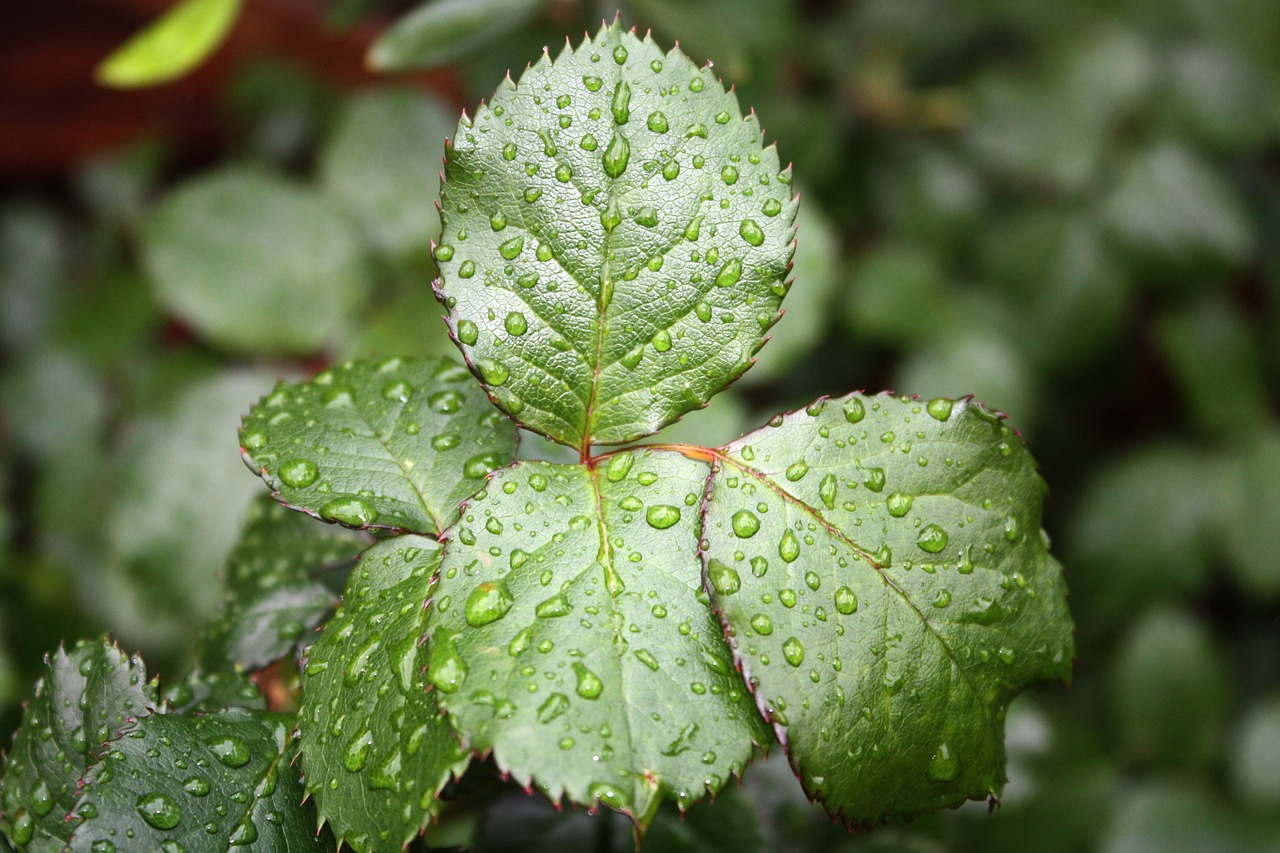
809 303
1219 98
381 165
284 109
171 46
176 511
1249 506
605 326
83 698
879 567
1213 352
253 262
33 248
441 31
394 443
109 318
739 36
1141 529
1176 218
1169 691
53 404
275 589
375 748
932 196
1255 759
171 779
115 185
977 361
1162 819
898 293
410 324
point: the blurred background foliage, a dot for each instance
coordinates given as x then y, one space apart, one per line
1068 209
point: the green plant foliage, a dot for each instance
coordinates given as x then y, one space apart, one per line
84 697
615 240
580 654
441 31
275 590
165 782
171 46
253 262
881 572
376 750
393 443
381 165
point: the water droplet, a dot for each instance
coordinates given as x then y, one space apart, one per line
196 786
253 440
751 232
479 466
593 84
554 706
468 333
556 605
42 800
446 669
846 600
493 372
827 491
854 411
932 539
467 270
695 85
611 218
357 752
899 504
729 174
762 624
24 827
620 54
797 471
516 324
942 599
509 151
729 274
487 603
787 597
789 547
444 253
102 845
512 248
658 123
498 221
943 767
793 651
661 340
662 516
604 792
745 523
350 511
618 468
772 207
939 408
564 173
229 750
724 579
615 157
1011 529
812 580
647 216
589 684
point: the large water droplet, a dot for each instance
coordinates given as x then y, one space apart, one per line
196 786
468 332
658 122
516 324
554 706
943 767
229 750
940 408
762 624
662 516
797 471
789 547
616 156
299 473
589 684
854 411
621 104
350 511
750 231
556 605
357 752
729 274
618 467
899 504
793 651
932 539
487 603
724 579
512 248
446 669
745 523
479 466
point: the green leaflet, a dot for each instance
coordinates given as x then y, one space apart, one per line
440 31
615 240
171 46
275 592
375 749
879 565
395 443
168 783
85 696
569 636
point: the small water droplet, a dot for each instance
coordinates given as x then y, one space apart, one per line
444 253
593 84
762 624
658 122
729 174
196 786
772 207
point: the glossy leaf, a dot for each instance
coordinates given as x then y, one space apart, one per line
206 692
171 46
880 569
442 31
615 240
254 263
569 638
85 696
275 590
375 748
395 443
168 783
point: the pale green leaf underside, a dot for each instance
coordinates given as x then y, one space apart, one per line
275 594
615 240
880 567
84 698
569 636
216 782
394 443
171 46
375 748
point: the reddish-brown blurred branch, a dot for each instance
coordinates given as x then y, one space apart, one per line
52 114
